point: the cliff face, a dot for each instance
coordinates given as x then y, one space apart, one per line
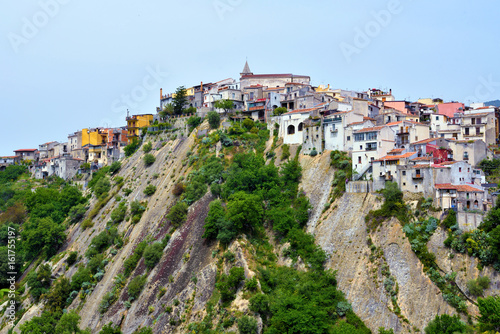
342 233
181 284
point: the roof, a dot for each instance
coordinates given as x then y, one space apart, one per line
26 150
445 163
424 141
458 187
299 111
273 75
478 114
396 157
368 119
246 69
396 150
422 159
406 120
9 157
375 128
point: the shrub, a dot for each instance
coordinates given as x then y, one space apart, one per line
132 147
476 287
115 167
279 111
228 284
178 214
118 214
313 152
445 324
213 119
247 325
179 188
71 258
286 152
149 159
147 147
259 303
149 190
152 254
77 212
248 123
102 186
194 121
130 263
136 285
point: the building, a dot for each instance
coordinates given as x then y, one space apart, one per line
270 80
28 154
134 125
408 132
370 144
460 197
479 125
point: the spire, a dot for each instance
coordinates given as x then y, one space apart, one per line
246 70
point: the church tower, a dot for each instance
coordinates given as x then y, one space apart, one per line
246 70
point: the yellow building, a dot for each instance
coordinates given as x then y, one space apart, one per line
136 122
94 137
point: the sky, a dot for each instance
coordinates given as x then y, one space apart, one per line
67 64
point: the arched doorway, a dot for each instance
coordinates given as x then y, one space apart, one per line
301 126
291 130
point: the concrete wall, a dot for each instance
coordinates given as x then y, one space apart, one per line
469 221
359 187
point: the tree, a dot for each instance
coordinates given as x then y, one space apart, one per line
136 285
245 210
279 111
42 235
45 323
68 324
147 147
247 325
178 213
248 123
152 254
168 110
194 121
149 159
131 147
58 294
213 119
110 329
180 100
445 324
226 105
115 167
489 308
216 214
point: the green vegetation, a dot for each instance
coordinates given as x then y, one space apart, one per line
146 148
226 105
286 152
132 147
115 167
178 214
476 286
132 261
342 162
445 324
180 100
149 190
279 111
483 243
228 284
149 159
193 122
393 206
489 308
213 119
152 254
136 285
247 325
118 214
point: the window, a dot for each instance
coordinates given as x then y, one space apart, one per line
359 136
416 187
404 172
404 184
291 129
301 126
466 131
437 118
348 138
460 169
468 170
371 146
371 136
359 160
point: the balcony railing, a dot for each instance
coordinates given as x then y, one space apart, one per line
418 176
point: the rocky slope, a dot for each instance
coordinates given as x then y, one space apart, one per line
187 270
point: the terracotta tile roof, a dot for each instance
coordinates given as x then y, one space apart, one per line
397 157
486 107
26 150
458 187
424 141
9 157
422 159
396 150
355 123
375 128
421 166
257 108
445 163
368 119
478 114
407 121
394 123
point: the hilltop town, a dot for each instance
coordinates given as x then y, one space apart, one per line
428 146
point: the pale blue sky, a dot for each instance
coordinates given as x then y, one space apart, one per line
76 70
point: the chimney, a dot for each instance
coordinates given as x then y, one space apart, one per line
201 86
161 93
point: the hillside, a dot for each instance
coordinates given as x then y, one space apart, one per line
220 246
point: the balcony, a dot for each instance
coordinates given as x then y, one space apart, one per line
418 176
371 148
